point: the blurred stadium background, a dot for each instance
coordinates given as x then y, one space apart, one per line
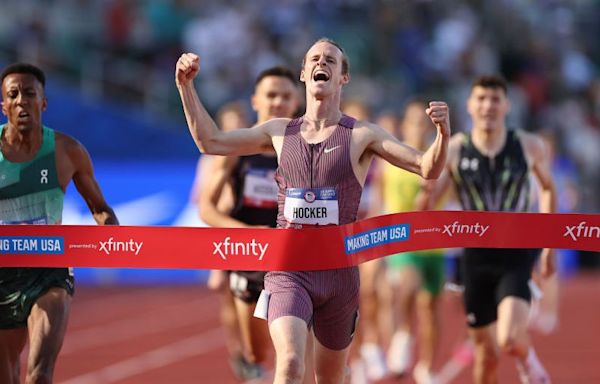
110 68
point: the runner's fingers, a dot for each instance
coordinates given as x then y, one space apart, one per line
188 62
437 111
438 104
438 116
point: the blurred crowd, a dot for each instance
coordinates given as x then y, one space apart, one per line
125 50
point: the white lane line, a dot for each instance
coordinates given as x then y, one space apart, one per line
157 358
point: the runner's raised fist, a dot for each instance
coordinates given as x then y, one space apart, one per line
438 112
187 68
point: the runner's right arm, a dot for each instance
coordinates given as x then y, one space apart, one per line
207 136
86 183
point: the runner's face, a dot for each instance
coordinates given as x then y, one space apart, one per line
23 101
275 96
322 71
488 107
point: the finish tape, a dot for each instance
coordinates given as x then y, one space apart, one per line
290 249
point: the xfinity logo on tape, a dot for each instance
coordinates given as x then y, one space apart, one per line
581 230
228 248
375 237
33 244
458 228
111 245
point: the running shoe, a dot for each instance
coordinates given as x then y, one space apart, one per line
243 369
399 356
423 375
358 372
532 371
252 371
237 363
374 360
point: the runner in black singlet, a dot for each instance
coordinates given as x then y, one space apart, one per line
490 169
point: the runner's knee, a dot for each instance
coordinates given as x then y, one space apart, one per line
291 365
510 345
54 305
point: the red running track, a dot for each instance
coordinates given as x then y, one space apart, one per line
171 334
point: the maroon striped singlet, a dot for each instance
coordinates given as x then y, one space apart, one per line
320 165
326 300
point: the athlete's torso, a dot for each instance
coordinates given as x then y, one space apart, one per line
255 190
317 184
498 184
30 192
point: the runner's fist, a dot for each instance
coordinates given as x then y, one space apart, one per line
439 114
187 68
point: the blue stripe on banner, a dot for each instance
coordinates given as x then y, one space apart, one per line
32 244
375 237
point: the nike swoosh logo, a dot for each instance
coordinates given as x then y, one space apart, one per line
327 150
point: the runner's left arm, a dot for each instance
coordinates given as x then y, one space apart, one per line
87 185
428 164
542 170
432 191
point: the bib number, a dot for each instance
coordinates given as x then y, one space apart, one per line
316 206
260 189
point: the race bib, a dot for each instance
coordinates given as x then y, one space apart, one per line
260 189
317 206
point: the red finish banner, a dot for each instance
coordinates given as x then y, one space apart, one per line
292 249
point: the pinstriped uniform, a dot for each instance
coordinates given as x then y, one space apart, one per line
327 300
317 165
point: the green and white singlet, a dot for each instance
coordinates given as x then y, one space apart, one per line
30 193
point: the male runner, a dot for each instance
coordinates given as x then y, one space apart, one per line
490 168
323 161
36 165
